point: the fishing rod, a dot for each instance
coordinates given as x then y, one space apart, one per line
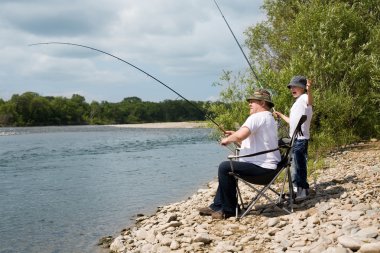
237 42
241 49
130 64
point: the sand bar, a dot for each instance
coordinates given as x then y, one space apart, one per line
165 125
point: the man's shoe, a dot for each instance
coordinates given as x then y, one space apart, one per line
205 211
219 215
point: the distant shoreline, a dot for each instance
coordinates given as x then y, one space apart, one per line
164 125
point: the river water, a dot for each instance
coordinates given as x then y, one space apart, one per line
63 188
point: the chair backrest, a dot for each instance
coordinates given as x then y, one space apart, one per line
288 143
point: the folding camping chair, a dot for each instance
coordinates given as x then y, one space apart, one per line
265 181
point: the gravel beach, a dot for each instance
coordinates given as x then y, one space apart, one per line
341 215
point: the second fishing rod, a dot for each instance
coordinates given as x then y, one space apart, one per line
237 42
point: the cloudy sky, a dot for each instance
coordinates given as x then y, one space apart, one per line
183 43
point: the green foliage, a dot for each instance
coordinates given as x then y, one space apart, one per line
334 43
31 109
232 108
7 114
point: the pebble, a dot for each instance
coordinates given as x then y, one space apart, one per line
342 215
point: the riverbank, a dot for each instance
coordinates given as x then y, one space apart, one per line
342 215
190 124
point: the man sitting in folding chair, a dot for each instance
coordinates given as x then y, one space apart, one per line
267 180
258 133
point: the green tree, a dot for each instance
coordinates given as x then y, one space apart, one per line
78 109
132 100
40 111
8 114
31 109
60 111
23 107
94 115
334 43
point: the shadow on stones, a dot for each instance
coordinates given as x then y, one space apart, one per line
356 148
325 191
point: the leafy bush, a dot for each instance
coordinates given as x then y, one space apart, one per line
334 43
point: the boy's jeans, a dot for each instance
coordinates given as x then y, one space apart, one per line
299 164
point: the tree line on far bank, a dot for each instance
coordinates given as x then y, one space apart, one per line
31 109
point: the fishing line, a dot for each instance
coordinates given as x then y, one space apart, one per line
237 42
134 66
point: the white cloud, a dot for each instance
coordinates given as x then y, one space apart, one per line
185 44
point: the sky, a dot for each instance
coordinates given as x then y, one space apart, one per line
183 43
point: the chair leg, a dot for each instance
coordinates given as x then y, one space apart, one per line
264 189
291 193
239 198
287 177
280 197
258 195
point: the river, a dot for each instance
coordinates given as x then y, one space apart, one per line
63 188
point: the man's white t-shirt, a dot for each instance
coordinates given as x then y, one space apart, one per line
263 137
299 108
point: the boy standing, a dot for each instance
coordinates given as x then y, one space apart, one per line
300 88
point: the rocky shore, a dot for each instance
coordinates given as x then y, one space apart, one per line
341 215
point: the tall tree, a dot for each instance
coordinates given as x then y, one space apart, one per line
334 43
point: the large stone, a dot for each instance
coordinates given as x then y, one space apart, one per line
312 220
202 237
370 248
166 240
369 232
247 239
273 222
140 234
225 246
174 245
117 245
355 215
316 247
336 250
163 249
146 248
361 207
349 242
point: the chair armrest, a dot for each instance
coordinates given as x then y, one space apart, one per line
254 154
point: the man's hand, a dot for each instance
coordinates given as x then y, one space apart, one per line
224 142
228 133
